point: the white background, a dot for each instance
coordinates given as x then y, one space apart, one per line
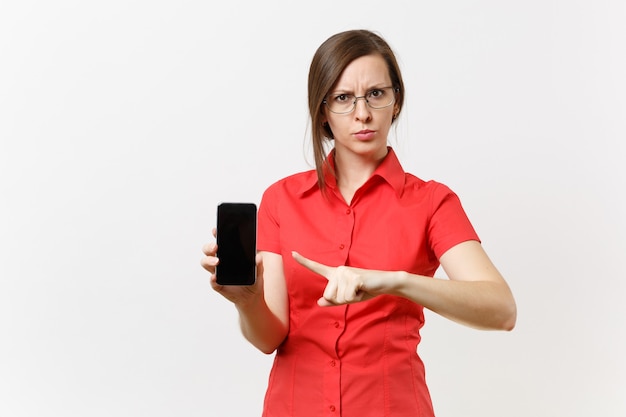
124 123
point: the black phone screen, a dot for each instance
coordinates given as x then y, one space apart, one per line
236 243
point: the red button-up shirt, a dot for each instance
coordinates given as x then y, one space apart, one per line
355 360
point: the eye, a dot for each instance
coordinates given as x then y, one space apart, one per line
342 98
377 93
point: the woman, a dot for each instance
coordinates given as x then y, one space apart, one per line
347 254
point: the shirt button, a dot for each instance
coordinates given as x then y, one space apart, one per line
332 408
348 211
336 324
332 363
342 246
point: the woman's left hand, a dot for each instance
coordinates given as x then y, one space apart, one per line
475 293
346 284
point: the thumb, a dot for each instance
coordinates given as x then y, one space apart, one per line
322 302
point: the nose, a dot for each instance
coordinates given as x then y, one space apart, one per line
362 110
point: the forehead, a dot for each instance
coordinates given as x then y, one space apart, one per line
364 72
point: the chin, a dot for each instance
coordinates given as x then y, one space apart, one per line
369 148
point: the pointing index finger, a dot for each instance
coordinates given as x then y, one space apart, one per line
316 267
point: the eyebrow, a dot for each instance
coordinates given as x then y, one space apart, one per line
348 91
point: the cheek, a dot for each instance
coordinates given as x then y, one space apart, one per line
389 118
334 123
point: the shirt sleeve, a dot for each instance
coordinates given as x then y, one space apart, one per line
268 224
449 224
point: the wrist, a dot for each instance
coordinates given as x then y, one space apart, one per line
399 282
251 303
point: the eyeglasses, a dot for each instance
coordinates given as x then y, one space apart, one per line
377 98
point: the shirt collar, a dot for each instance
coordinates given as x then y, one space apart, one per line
389 170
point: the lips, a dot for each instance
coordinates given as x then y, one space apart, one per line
365 134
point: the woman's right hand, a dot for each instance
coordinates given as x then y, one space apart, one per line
240 295
263 313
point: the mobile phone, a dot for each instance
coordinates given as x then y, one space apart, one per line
236 243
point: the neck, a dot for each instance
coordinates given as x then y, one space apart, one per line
354 170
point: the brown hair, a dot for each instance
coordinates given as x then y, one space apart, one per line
328 63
